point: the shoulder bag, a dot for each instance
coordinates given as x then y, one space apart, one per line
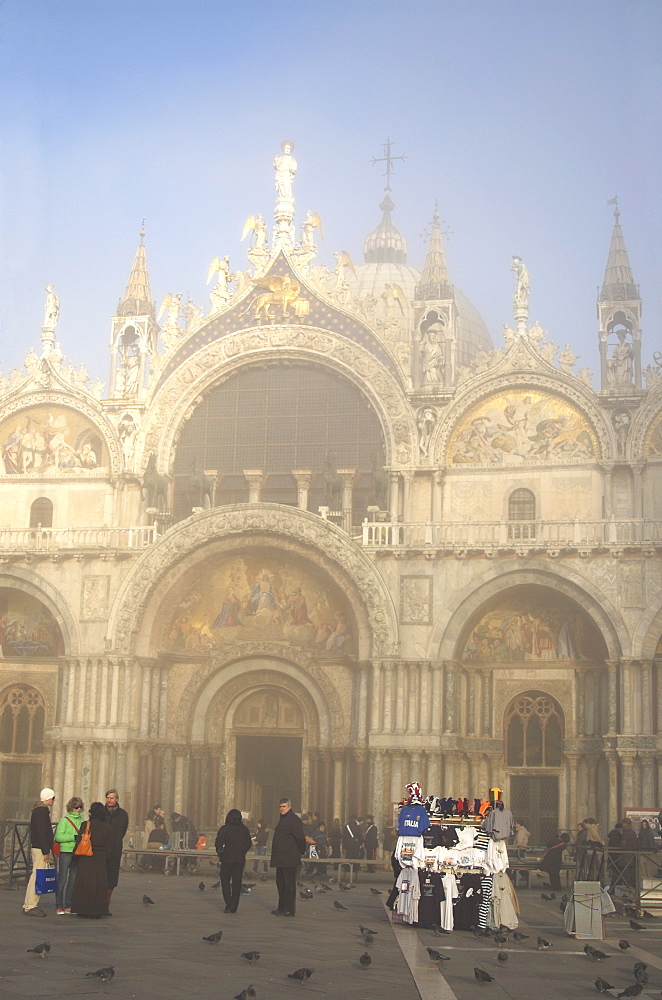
85 843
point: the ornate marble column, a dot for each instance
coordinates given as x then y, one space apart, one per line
437 678
387 719
348 477
612 697
375 698
338 782
376 765
437 496
86 773
254 479
394 495
302 477
412 697
362 706
627 778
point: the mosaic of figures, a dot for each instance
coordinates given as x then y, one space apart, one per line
250 597
48 440
533 626
522 425
654 443
27 628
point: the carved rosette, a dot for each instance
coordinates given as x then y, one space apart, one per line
186 387
275 522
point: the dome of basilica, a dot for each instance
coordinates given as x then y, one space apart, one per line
385 273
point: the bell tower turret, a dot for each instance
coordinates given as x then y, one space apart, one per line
619 316
134 332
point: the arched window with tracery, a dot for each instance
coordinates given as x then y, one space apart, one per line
533 730
22 718
521 508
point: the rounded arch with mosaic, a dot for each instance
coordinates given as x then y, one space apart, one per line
315 543
35 621
531 421
48 434
185 389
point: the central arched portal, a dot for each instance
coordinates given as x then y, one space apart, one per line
268 718
268 731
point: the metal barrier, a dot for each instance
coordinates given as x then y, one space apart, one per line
15 858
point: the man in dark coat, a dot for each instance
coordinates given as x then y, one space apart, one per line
287 848
118 819
352 838
371 841
41 844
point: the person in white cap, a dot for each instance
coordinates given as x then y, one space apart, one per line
41 844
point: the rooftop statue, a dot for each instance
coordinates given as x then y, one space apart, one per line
52 309
523 289
286 167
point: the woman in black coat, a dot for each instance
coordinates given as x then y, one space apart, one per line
90 898
233 840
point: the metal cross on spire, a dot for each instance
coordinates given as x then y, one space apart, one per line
388 159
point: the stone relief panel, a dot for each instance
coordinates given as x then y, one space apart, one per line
632 584
416 600
522 425
250 596
473 496
94 598
50 441
27 627
532 624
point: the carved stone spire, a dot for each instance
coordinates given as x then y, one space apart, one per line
435 283
618 281
137 298
286 167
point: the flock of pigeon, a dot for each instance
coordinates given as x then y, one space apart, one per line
500 936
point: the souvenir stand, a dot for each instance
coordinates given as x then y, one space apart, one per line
451 873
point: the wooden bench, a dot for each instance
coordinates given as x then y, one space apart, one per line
170 856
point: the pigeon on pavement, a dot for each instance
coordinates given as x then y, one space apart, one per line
338 906
624 945
251 956
542 944
602 985
148 901
375 892
366 930
364 960
104 975
482 976
41 949
216 885
201 886
631 991
300 974
637 927
641 976
437 956
214 938
502 957
518 936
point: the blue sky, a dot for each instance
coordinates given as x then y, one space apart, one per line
522 119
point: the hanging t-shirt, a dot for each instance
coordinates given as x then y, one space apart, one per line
409 892
409 852
432 894
413 820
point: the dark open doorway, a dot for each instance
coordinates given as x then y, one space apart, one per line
534 801
267 769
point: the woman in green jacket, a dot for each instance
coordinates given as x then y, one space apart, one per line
65 835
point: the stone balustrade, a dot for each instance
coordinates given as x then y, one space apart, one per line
54 540
543 535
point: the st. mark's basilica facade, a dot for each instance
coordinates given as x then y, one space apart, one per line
325 538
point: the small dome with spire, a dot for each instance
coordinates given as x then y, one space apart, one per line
385 244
